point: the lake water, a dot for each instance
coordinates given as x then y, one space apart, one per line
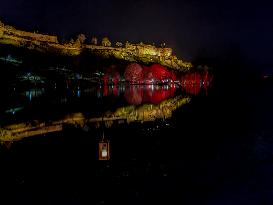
214 148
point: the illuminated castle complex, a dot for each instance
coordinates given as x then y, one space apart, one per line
142 53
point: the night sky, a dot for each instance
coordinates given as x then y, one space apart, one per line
194 28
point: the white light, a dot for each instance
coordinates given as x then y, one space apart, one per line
104 153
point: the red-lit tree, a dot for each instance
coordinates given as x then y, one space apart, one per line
133 73
116 78
148 75
160 72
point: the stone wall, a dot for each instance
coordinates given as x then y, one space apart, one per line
36 36
9 30
166 52
147 50
144 49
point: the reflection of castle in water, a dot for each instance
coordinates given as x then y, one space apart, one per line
146 112
146 103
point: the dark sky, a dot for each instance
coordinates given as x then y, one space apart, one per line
194 28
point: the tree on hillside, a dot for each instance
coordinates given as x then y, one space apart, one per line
127 44
119 44
80 40
94 41
106 42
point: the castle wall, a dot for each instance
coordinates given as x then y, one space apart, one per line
143 49
36 36
147 50
167 52
1 29
28 35
1 33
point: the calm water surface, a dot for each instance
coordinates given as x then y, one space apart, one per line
215 149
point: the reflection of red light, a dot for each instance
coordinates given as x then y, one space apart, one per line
116 78
105 90
192 83
133 95
138 95
160 95
192 89
105 79
115 90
